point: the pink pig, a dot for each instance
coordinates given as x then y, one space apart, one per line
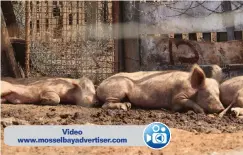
172 90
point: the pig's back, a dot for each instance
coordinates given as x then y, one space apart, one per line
229 88
140 75
155 90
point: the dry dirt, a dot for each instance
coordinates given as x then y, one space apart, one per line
191 133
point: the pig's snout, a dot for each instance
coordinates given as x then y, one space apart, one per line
90 101
217 108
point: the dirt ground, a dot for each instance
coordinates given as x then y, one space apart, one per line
191 133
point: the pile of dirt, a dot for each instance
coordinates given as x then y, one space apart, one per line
71 114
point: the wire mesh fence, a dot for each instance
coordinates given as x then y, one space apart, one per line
62 42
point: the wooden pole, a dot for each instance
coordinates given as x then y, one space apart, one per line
8 52
27 38
131 45
10 18
116 33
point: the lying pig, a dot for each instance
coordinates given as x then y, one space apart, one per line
172 90
231 93
48 91
214 71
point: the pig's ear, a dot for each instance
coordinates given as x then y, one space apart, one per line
198 77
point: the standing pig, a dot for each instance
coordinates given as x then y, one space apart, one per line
48 91
172 90
231 94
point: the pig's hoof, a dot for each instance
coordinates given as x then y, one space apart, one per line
129 105
48 102
241 117
199 110
104 106
238 112
126 106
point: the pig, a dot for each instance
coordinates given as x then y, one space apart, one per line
48 91
231 93
214 71
172 90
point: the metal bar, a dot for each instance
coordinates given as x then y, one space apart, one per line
27 38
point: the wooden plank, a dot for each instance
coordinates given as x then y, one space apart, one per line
10 19
7 48
27 38
213 36
185 36
199 36
171 35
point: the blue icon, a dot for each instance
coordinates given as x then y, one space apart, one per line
156 135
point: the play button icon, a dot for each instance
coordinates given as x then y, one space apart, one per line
148 138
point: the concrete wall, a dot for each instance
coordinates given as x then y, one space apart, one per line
160 19
155 51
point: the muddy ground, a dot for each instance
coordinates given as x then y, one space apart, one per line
191 133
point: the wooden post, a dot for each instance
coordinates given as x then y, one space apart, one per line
185 36
213 36
171 35
119 65
91 20
10 19
7 51
242 35
199 36
131 45
27 38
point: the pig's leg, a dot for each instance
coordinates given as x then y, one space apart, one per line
13 98
125 106
188 104
241 117
115 103
238 112
49 98
113 94
3 100
239 102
